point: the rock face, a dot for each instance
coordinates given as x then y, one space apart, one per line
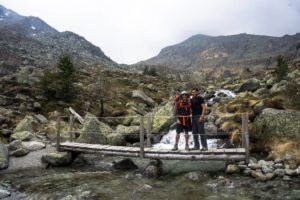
278 122
57 158
141 95
3 156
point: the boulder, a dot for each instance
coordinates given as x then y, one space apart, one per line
41 119
57 158
163 117
279 87
127 130
270 176
142 96
258 176
278 166
34 145
298 170
94 131
25 124
262 92
19 152
278 123
154 169
247 172
22 135
231 169
4 156
290 172
254 166
17 149
279 172
14 145
266 169
192 176
127 164
250 85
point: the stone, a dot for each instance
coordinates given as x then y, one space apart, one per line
252 160
250 85
278 166
41 119
19 152
266 169
4 156
290 172
34 145
142 96
22 135
286 178
37 105
270 176
127 164
242 167
247 172
254 166
57 158
154 169
262 92
5 132
298 170
279 172
258 176
14 145
4 193
231 169
277 160
192 176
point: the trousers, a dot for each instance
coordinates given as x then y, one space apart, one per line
198 129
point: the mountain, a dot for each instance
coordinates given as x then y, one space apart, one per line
234 50
31 41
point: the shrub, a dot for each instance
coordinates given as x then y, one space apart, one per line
281 68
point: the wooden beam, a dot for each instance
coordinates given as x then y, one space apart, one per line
246 136
58 133
142 137
149 125
72 136
76 115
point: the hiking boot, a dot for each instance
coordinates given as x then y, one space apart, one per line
175 148
204 149
195 148
187 147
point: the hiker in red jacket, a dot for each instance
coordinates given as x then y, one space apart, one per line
183 112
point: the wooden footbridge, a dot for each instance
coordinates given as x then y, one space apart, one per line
232 154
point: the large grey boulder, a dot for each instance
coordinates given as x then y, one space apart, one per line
127 130
231 169
250 85
34 145
141 95
4 156
57 158
17 149
25 124
278 123
258 176
163 117
22 135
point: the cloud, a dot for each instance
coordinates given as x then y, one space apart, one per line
132 30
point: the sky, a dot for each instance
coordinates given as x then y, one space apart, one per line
129 31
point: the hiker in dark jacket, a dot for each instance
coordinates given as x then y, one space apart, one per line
198 112
183 112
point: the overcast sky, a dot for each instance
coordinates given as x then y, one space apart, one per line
129 31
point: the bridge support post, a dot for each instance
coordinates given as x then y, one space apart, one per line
142 137
58 133
245 135
149 125
72 138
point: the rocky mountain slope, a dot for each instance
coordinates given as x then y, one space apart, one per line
30 41
235 50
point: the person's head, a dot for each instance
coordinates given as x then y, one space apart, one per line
184 95
194 92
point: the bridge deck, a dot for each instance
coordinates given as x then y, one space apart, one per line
211 154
